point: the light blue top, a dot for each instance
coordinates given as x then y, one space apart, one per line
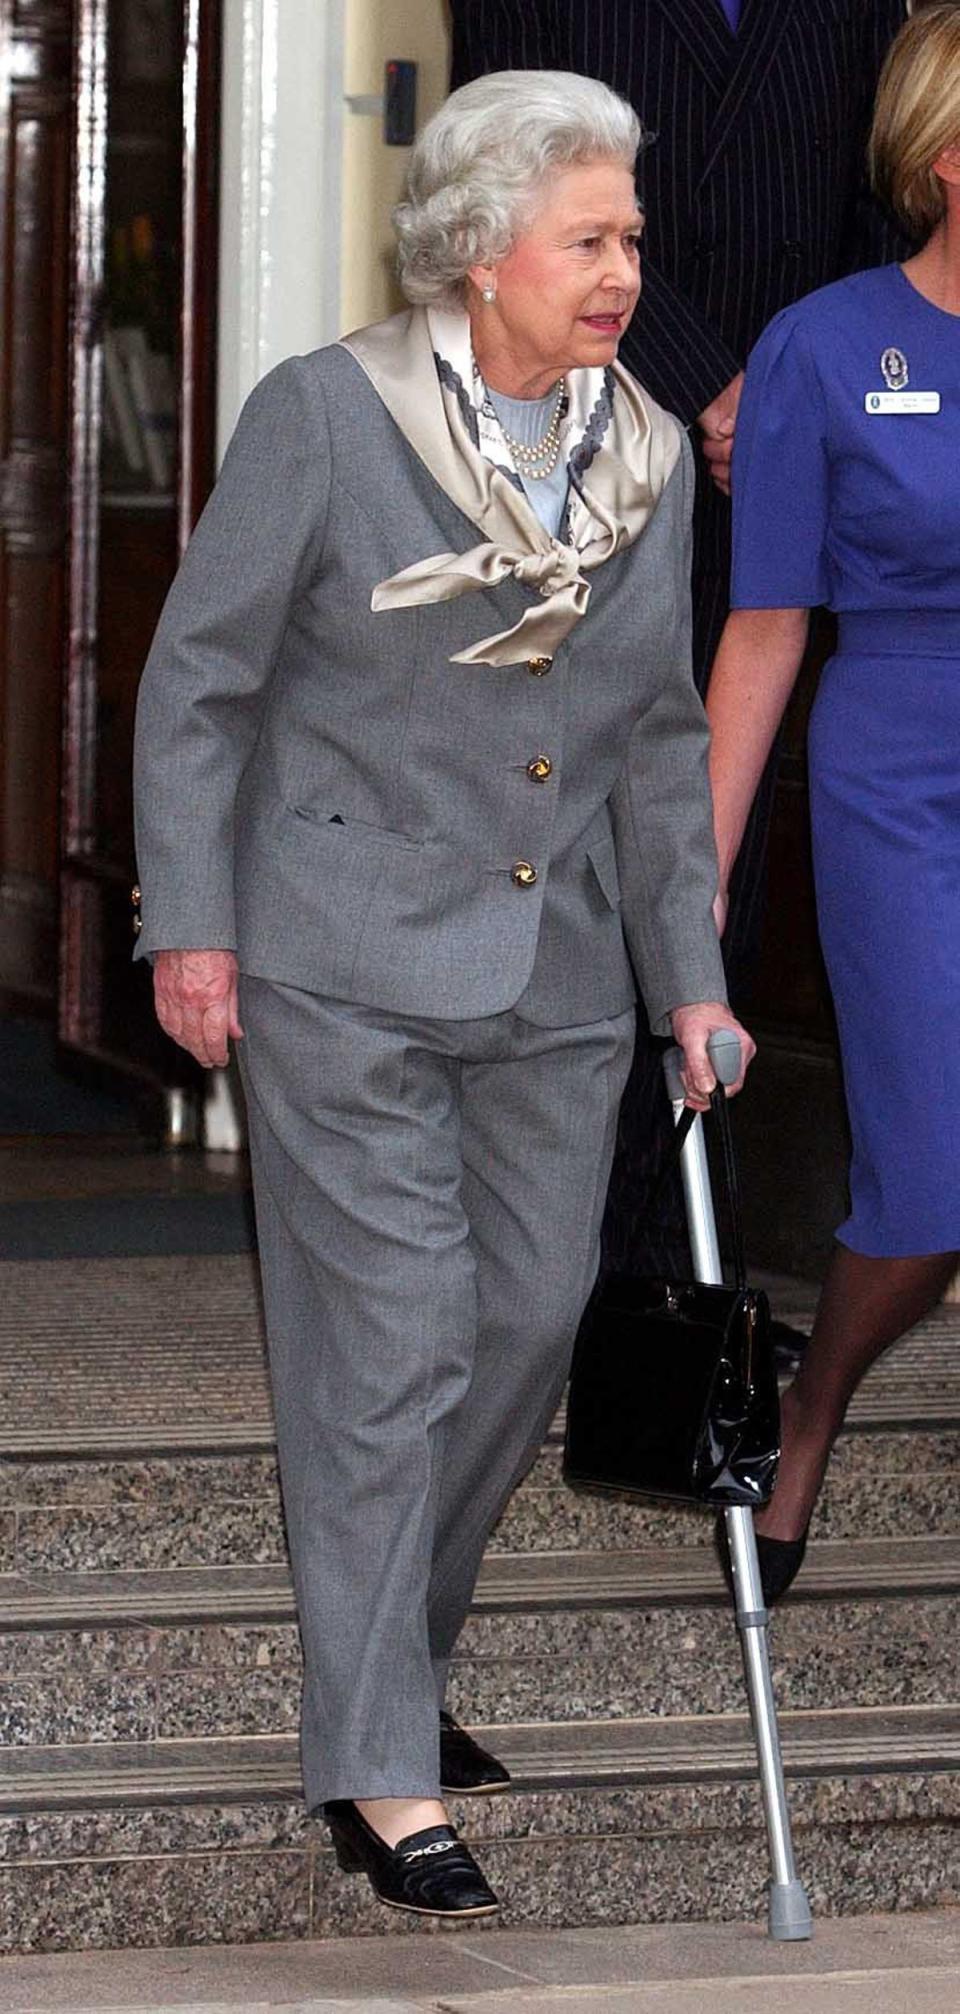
527 420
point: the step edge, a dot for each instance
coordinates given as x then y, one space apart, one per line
897 1412
267 1768
584 1582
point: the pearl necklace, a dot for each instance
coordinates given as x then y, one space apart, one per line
538 460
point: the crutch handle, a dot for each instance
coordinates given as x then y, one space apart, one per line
723 1049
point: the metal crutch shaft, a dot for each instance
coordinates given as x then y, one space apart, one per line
789 1910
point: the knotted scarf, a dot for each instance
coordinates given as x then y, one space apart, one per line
619 447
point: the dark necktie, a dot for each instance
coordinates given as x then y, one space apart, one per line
732 10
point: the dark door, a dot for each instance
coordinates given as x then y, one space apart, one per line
35 139
142 368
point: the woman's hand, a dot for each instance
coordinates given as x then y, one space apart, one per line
692 1028
196 1001
718 423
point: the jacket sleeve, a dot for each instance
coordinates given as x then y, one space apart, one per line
258 541
663 822
675 351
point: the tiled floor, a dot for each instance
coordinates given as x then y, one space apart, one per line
867 1965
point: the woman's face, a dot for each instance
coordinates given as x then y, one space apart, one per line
568 288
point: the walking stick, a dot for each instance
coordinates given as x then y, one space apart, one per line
789 1911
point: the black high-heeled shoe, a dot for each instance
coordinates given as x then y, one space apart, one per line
430 1872
779 1560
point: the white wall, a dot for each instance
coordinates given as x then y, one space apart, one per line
306 185
280 186
416 31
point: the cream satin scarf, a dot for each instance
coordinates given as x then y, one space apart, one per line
613 497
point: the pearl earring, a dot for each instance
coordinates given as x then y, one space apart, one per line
489 295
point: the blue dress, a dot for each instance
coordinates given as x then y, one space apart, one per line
847 492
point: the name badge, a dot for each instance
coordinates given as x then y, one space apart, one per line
902 402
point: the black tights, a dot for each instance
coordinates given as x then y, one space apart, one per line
866 1304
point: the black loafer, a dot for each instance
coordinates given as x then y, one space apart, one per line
466 1769
430 1872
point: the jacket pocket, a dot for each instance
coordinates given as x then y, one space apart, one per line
360 831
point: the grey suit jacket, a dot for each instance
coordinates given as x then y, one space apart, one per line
320 788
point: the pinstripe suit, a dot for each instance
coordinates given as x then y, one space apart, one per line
755 195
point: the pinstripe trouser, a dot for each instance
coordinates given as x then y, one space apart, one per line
428 1200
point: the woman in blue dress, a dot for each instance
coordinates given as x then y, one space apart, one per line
846 486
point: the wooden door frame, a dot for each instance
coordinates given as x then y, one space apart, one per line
35 139
82 872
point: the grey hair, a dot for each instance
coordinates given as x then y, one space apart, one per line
479 169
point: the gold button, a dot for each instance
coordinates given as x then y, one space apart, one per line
135 895
539 769
523 874
539 666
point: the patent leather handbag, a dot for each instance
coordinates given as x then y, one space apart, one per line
673 1391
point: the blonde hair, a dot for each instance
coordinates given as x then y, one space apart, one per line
917 116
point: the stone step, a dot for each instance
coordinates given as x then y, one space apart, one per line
540 1756
151 1790
656 1577
659 1663
244 1680
180 1842
167 1355
126 1666
212 1510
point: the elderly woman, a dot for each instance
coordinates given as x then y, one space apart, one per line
419 755
845 492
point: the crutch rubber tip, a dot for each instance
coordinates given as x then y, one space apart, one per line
790 1920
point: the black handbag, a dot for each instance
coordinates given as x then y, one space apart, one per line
673 1391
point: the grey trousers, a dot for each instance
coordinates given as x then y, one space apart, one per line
428 1199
